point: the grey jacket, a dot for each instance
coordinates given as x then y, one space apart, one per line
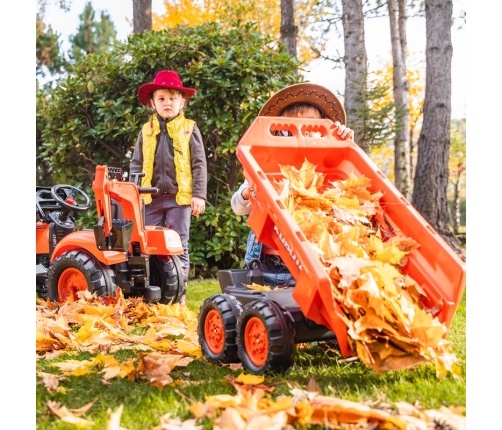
164 174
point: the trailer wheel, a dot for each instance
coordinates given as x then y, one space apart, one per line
167 273
265 338
216 328
77 270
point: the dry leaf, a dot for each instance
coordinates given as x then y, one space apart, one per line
66 415
313 386
168 423
113 423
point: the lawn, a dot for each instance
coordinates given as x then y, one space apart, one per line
144 404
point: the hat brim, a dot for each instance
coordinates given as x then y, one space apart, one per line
313 94
146 90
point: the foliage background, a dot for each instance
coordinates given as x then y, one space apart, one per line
93 117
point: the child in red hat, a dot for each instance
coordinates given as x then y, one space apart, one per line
170 152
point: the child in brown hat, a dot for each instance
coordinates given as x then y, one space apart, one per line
303 100
170 152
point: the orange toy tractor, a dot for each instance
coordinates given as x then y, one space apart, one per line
120 251
261 328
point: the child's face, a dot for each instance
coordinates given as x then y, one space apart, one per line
167 103
310 113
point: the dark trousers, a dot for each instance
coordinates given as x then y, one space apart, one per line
165 212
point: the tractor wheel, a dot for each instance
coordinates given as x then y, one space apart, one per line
265 338
77 270
167 273
216 328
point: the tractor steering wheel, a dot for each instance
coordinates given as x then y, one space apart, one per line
70 201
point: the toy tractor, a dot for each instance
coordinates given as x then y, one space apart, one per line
120 251
260 328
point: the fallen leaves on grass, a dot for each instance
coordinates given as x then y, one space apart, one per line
106 325
50 381
253 408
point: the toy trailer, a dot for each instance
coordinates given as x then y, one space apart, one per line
261 328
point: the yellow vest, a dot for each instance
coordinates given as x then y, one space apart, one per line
180 130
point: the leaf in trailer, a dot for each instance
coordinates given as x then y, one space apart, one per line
257 287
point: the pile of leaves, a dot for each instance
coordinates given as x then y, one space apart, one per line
389 328
163 336
253 407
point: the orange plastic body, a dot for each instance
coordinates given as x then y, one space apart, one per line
85 240
42 245
434 266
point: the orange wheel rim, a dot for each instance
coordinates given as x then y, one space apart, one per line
213 332
70 282
256 341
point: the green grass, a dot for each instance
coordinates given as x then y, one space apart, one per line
144 405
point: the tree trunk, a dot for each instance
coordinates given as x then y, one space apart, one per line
142 15
355 68
289 31
401 87
431 175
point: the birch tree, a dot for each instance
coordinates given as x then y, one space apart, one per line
355 68
402 168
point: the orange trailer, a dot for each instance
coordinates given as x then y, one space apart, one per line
308 311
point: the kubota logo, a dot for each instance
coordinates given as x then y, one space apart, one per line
288 248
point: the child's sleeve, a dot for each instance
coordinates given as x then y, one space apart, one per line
137 156
199 164
240 205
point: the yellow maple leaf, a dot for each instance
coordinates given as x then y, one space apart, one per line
257 287
250 379
188 347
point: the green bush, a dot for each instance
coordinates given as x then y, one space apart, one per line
92 117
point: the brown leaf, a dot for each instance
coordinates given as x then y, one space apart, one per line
313 386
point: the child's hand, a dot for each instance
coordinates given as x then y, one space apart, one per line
198 206
344 132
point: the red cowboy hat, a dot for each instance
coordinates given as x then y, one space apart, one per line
167 80
313 94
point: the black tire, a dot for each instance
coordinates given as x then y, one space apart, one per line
95 276
279 355
228 309
167 273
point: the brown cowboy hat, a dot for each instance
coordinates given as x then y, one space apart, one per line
313 94
167 80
